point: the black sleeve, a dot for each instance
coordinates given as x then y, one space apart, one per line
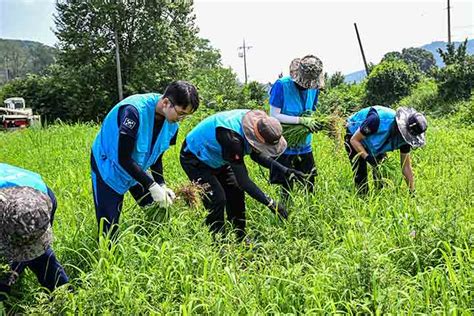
405 149
174 139
157 170
371 123
128 120
247 184
232 145
125 147
268 162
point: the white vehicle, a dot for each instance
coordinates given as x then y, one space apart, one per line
14 115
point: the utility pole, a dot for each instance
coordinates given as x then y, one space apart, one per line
244 54
6 69
119 70
449 23
361 50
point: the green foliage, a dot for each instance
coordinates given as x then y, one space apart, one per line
23 57
338 253
256 92
334 80
454 55
343 99
418 58
66 94
424 97
456 81
389 82
465 114
157 42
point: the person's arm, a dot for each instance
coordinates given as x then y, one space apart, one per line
407 171
276 104
125 150
283 118
157 168
270 163
367 128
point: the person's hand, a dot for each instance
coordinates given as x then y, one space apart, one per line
310 123
159 195
278 208
371 160
293 173
169 192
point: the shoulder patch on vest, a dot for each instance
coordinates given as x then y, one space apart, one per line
129 123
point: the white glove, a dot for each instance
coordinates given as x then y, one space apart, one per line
169 192
159 195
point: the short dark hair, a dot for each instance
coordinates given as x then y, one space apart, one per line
182 93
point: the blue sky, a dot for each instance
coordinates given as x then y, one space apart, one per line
282 30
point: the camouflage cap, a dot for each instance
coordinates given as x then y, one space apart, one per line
25 230
307 72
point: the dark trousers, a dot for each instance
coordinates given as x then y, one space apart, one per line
108 203
359 167
46 267
302 162
222 194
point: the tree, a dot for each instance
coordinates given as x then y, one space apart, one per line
156 40
335 79
456 80
420 58
389 82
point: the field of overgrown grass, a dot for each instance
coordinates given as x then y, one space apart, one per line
386 253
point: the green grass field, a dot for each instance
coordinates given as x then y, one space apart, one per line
386 253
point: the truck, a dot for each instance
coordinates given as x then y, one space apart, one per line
14 115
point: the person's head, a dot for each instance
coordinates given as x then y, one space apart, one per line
307 72
412 126
179 100
263 133
25 230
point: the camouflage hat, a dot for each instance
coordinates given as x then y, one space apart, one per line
25 230
307 72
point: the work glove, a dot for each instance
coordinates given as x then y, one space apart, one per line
309 123
278 208
169 192
295 174
371 160
159 195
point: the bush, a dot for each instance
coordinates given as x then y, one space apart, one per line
345 99
424 97
465 115
67 95
456 81
389 82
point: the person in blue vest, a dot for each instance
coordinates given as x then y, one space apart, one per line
131 142
27 207
291 98
213 155
374 131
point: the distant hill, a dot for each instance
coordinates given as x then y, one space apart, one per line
433 47
19 58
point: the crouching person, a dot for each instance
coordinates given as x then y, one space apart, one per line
213 155
132 139
27 208
376 130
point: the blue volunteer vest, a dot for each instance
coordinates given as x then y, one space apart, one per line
11 176
202 142
293 105
105 146
384 140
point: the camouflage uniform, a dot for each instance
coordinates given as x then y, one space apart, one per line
26 237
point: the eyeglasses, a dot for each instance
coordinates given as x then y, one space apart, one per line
181 114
